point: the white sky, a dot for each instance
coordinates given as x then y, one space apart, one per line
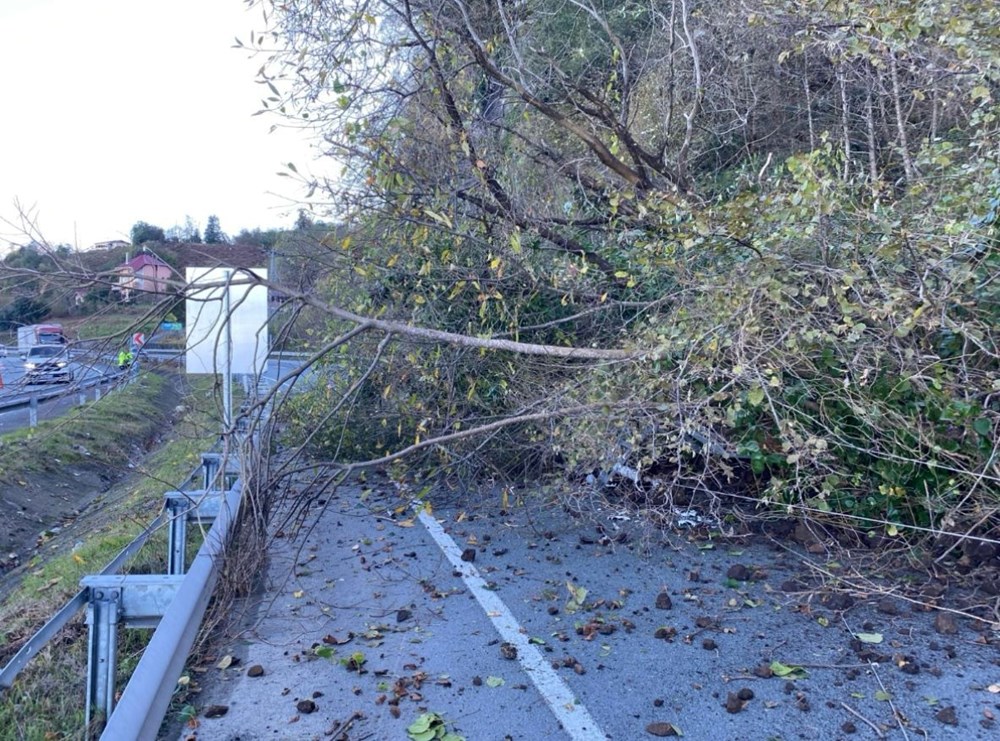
117 111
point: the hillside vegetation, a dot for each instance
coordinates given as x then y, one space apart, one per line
770 224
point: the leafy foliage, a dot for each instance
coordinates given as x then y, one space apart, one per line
143 232
782 214
22 310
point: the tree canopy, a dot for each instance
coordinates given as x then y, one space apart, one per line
143 232
767 226
213 232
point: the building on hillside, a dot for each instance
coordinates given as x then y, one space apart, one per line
144 273
111 244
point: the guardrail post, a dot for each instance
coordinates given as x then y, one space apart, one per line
211 464
199 506
137 601
177 505
103 611
33 411
81 398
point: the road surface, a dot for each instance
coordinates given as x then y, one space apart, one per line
525 623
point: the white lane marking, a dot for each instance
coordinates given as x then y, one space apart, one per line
573 716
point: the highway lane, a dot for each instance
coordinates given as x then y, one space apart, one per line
84 387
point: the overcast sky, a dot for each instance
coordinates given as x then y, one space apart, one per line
117 111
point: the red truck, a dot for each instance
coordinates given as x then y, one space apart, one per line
39 334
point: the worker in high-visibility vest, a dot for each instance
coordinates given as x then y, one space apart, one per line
124 358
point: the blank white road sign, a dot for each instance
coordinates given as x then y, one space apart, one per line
206 316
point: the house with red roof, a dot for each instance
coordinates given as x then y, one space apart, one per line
143 274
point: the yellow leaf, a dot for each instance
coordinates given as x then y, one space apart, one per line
78 558
225 662
392 260
461 516
439 218
428 508
298 594
980 92
406 523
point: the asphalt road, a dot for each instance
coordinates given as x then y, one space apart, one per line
526 623
15 389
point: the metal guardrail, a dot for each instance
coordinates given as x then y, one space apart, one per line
36 397
144 702
173 603
68 611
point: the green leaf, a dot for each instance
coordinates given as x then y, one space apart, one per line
324 652
495 682
755 396
789 672
577 596
982 426
422 723
870 637
980 92
883 696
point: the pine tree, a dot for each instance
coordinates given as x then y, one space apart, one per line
213 232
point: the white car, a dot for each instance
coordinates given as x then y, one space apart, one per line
47 364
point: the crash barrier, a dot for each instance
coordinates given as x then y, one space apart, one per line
172 603
142 600
81 389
